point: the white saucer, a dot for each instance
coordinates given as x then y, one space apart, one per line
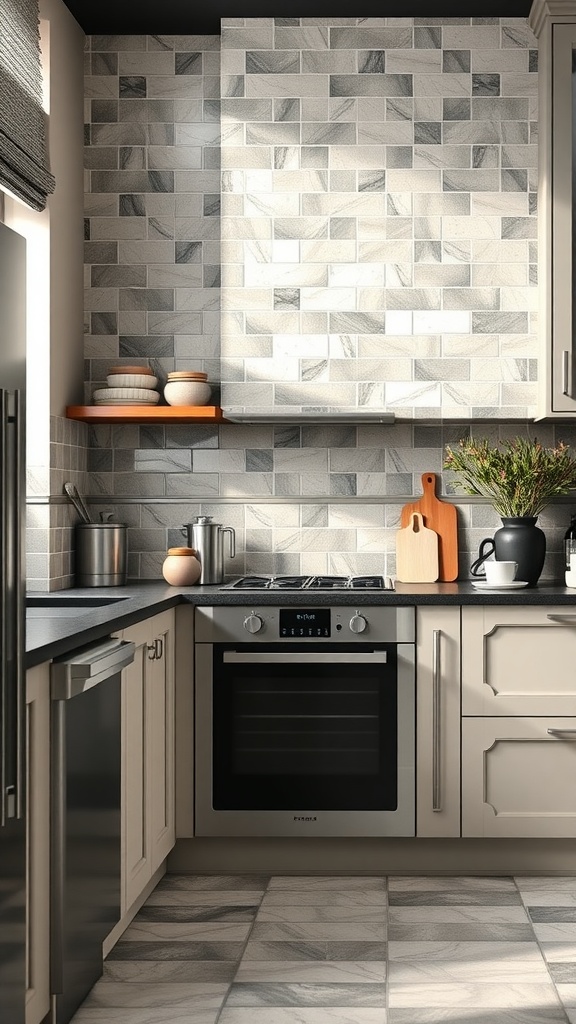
483 585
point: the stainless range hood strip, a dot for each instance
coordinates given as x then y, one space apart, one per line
235 416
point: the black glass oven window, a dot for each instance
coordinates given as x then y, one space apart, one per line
319 736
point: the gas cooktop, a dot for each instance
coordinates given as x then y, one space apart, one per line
311 583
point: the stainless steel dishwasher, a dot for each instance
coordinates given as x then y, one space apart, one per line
85 813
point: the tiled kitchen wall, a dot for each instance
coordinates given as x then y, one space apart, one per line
50 518
311 498
379 215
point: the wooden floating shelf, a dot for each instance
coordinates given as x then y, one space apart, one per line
146 413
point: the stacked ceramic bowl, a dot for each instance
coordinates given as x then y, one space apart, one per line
128 385
187 387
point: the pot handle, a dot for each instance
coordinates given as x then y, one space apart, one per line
230 530
475 568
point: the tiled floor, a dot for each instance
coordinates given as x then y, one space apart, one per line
351 950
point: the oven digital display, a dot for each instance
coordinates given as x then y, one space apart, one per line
304 622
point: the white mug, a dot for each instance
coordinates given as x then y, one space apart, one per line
500 573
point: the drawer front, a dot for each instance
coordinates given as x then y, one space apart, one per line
518 777
518 661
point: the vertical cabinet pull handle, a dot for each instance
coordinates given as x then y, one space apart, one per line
12 693
566 388
436 722
152 651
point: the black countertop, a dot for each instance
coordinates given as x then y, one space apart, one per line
54 632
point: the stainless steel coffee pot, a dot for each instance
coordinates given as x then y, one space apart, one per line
207 538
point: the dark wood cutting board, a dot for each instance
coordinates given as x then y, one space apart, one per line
441 517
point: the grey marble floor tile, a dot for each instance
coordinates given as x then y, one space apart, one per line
314 971
549 898
454 915
303 1015
567 993
556 932
443 1015
449 883
473 997
330 898
213 882
173 971
559 952
184 913
468 952
373 931
484 932
571 1014
543 883
563 974
156 1015
546 915
320 883
298 994
314 951
461 897
306 913
502 971
284 951
166 950
169 995
195 898
196 931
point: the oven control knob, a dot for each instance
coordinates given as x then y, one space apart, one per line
253 623
358 623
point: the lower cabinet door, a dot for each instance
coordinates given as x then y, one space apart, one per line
148 832
38 844
518 777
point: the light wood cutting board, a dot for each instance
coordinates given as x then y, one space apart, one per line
416 552
441 517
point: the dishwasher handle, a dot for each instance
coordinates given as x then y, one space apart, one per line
89 666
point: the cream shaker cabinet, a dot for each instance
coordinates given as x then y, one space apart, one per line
148 831
38 844
438 722
519 724
518 777
518 660
555 26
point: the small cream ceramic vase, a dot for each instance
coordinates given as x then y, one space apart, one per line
181 568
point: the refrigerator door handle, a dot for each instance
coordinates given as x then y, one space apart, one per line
12 627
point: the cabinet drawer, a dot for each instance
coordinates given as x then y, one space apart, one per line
518 661
518 777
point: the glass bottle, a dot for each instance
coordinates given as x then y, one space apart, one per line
570 547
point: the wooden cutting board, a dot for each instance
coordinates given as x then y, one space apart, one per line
441 517
416 552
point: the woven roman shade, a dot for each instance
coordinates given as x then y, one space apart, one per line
23 164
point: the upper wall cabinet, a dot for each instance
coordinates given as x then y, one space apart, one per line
378 217
554 23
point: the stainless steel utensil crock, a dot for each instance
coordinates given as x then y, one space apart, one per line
208 540
100 555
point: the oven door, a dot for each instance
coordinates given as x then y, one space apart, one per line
305 740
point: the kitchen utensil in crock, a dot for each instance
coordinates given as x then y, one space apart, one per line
78 502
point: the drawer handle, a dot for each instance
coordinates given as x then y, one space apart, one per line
436 722
563 732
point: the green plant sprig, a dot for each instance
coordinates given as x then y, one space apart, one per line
520 477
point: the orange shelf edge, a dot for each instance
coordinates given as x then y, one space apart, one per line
146 414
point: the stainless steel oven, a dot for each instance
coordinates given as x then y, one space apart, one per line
305 720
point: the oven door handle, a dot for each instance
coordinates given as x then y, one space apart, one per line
304 657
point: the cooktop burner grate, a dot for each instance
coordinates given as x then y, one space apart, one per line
311 583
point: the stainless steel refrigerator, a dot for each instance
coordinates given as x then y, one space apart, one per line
12 627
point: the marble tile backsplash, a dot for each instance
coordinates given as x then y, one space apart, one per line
50 518
301 499
378 246
378 218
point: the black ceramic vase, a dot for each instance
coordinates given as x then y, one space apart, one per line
520 540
